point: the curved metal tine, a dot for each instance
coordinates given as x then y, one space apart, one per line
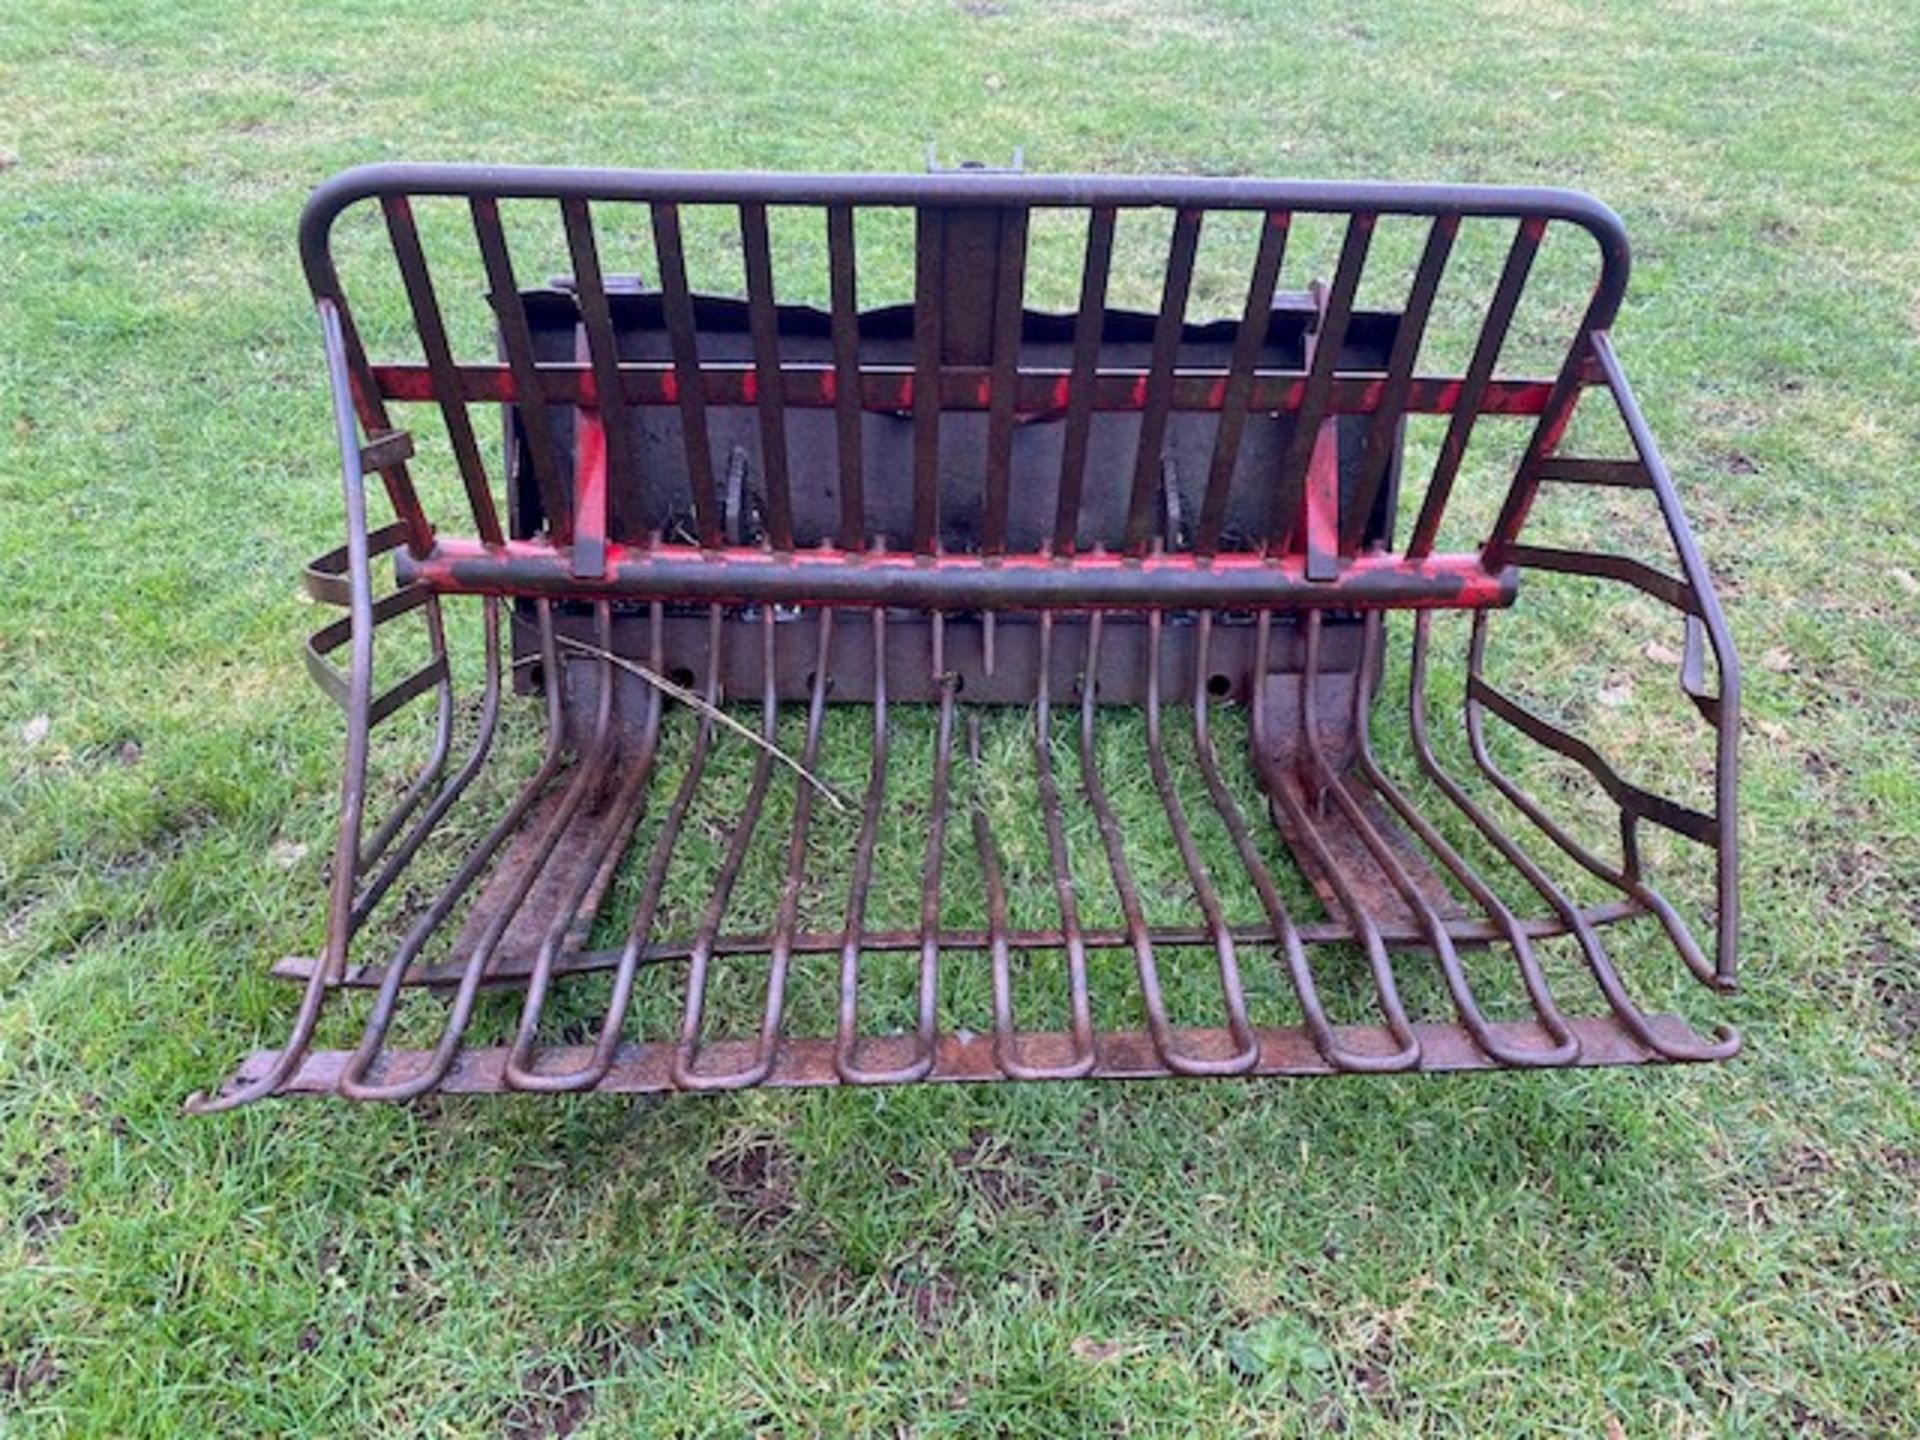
1231 990
1365 930
1291 947
846 1044
1079 998
779 960
1565 1048
1626 881
1006 1044
443 801
1151 998
847 1036
606 1046
686 1053
622 815
372 849
353 1083
1605 975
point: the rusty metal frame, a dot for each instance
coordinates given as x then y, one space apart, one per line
1290 618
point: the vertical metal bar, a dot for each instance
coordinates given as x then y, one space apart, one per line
1248 341
516 338
929 298
844 285
683 337
1329 339
596 316
763 319
1008 313
1159 387
1384 427
1466 409
1088 327
440 366
590 499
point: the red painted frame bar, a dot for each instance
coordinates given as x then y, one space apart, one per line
1099 580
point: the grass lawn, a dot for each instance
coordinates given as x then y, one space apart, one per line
1730 1250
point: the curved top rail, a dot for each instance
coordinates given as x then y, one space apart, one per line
522 182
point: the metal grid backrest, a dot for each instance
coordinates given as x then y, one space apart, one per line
1298 527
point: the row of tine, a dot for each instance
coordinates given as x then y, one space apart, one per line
610 784
1234 398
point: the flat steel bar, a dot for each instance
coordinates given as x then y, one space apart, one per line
1248 341
418 282
1383 431
843 287
516 338
603 352
684 340
1003 396
929 298
1724 709
1089 327
1486 354
1329 338
769 383
344 877
1167 328
968 1058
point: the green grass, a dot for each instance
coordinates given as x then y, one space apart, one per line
1727 1251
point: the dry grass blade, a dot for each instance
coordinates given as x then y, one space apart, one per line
712 712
